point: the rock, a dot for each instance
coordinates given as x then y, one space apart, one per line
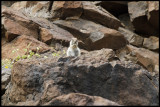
153 14
17 24
54 33
100 15
21 43
151 43
86 10
6 77
144 57
125 19
46 36
64 9
3 41
138 15
53 79
7 3
132 38
78 99
92 35
23 4
121 7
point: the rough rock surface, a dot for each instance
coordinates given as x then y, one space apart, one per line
6 77
64 9
23 4
151 43
132 38
94 36
100 15
21 43
77 99
53 32
138 15
43 79
123 76
144 57
17 24
125 19
84 9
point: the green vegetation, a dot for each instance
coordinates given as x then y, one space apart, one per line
8 63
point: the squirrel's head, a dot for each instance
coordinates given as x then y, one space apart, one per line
74 43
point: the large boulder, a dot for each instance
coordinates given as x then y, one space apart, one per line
138 15
21 43
41 81
17 24
145 57
93 36
84 9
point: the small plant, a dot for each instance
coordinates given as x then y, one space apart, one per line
45 57
55 54
7 63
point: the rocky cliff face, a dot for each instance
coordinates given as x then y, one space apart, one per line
120 50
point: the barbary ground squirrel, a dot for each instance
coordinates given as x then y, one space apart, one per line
73 49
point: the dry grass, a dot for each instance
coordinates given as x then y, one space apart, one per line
43 13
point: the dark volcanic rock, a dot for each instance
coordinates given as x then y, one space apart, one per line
48 79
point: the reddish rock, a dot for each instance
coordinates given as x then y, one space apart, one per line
138 15
94 36
54 33
145 57
17 24
84 9
46 35
21 43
